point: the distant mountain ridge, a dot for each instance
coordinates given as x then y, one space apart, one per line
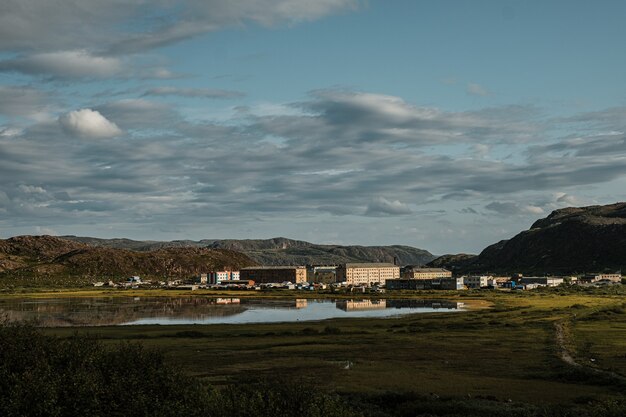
569 240
279 250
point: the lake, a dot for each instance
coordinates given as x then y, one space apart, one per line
114 311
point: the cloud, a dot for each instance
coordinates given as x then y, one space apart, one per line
336 156
160 74
196 18
513 208
18 101
194 92
568 199
124 26
42 230
474 89
480 150
468 210
89 123
383 206
358 118
65 64
9 131
140 114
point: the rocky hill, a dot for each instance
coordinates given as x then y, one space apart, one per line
50 260
281 251
570 240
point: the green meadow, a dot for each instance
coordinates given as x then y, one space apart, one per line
503 349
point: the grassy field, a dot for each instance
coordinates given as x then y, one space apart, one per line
504 352
600 338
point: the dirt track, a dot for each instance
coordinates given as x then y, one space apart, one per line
566 356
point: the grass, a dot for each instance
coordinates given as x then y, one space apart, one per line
505 352
600 337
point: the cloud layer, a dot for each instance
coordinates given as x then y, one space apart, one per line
32 25
338 153
88 137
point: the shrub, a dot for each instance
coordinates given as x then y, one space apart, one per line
42 375
278 397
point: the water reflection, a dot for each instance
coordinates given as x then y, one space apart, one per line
361 305
63 312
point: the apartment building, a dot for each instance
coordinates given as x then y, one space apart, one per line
426 273
216 277
478 281
594 277
542 281
367 273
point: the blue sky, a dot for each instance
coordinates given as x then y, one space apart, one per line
446 125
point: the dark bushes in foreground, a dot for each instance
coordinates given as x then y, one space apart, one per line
410 404
47 376
79 376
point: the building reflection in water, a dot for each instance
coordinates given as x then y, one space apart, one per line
225 301
360 305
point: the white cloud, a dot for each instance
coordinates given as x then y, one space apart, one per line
42 230
532 209
9 131
89 123
31 189
568 199
381 205
510 208
480 150
65 64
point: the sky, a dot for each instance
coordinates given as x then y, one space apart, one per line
441 124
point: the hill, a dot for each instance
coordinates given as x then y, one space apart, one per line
47 260
280 250
569 240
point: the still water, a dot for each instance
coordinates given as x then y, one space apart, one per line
63 312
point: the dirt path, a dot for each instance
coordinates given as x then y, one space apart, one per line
566 355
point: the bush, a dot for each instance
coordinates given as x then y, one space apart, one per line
79 376
278 397
42 375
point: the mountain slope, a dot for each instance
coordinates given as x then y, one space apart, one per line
570 240
51 260
282 251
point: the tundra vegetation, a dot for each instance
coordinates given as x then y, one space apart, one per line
506 360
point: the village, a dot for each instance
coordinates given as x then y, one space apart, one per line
362 277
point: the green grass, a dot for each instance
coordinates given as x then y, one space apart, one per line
600 337
505 352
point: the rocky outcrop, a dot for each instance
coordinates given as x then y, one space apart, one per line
570 240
